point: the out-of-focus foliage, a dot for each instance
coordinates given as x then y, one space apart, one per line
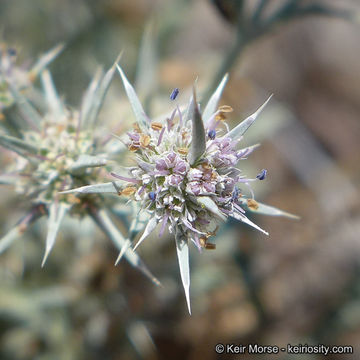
299 286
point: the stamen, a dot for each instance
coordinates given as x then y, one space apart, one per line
152 195
136 127
174 94
156 126
183 151
212 134
129 191
262 174
220 116
226 109
252 204
235 194
144 140
161 136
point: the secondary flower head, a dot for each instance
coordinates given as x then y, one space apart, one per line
57 151
52 153
186 176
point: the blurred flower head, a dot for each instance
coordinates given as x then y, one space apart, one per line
53 153
56 151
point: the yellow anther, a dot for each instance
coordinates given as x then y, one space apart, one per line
156 126
252 204
183 151
128 191
144 140
226 109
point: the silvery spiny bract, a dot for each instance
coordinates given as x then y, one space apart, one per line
186 175
57 151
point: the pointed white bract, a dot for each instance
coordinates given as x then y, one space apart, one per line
99 95
190 109
52 98
150 227
89 97
240 129
109 187
182 251
9 238
86 161
267 210
46 59
17 230
134 101
123 250
212 104
245 220
210 205
17 145
29 113
198 141
57 211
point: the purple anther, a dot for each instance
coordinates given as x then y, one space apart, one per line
152 196
174 94
212 134
262 174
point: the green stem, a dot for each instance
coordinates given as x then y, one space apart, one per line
259 10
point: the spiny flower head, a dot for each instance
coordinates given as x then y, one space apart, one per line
57 151
186 174
53 153
52 167
179 187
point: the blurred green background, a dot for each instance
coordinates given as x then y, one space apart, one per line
300 285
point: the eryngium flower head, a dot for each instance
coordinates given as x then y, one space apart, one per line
58 151
186 175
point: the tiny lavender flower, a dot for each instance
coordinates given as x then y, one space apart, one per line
186 175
